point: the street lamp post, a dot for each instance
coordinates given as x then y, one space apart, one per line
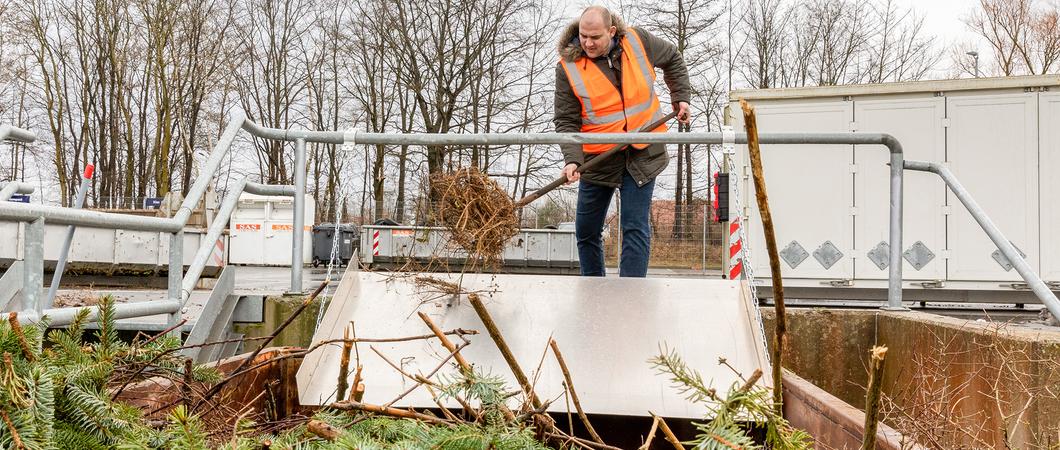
975 54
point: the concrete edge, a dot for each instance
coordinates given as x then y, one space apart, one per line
832 422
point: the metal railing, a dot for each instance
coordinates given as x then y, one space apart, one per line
1034 282
894 285
10 133
34 213
180 284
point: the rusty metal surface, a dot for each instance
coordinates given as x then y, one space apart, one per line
246 392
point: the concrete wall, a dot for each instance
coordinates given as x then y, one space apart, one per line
959 382
277 309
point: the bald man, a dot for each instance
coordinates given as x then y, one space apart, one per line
605 84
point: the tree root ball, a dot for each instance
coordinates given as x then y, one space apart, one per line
477 212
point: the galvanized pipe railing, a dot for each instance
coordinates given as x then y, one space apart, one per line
175 305
1040 289
15 187
11 133
300 137
894 284
224 214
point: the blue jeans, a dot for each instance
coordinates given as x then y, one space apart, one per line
593 202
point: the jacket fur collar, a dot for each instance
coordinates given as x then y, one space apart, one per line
568 46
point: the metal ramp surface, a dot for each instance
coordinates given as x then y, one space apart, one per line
607 328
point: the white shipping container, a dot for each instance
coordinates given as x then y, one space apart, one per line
261 230
997 135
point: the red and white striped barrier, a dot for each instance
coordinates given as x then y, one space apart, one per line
735 245
219 252
375 243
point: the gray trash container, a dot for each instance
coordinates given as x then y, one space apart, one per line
323 235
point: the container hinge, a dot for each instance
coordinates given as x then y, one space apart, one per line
845 282
1016 286
933 284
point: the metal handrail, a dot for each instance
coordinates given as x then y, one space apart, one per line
174 225
12 133
1034 281
894 147
15 187
172 305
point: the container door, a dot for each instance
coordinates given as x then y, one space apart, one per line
810 192
992 149
247 229
1049 150
918 124
278 236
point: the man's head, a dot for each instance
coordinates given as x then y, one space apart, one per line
596 28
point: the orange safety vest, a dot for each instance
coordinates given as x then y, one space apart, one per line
604 108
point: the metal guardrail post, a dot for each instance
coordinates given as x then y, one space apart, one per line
298 231
1040 289
176 273
894 275
64 253
33 267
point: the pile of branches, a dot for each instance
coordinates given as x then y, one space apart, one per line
58 391
477 212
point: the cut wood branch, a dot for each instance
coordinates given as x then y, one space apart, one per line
872 396
15 438
16 328
573 394
506 352
762 198
669 434
750 383
323 430
465 367
651 434
344 364
387 411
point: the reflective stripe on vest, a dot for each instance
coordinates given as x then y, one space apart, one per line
604 108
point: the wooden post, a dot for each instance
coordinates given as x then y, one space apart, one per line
771 247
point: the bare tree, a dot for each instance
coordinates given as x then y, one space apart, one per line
273 81
1024 35
765 23
898 49
691 26
439 46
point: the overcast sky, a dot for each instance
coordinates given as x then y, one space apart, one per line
942 18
